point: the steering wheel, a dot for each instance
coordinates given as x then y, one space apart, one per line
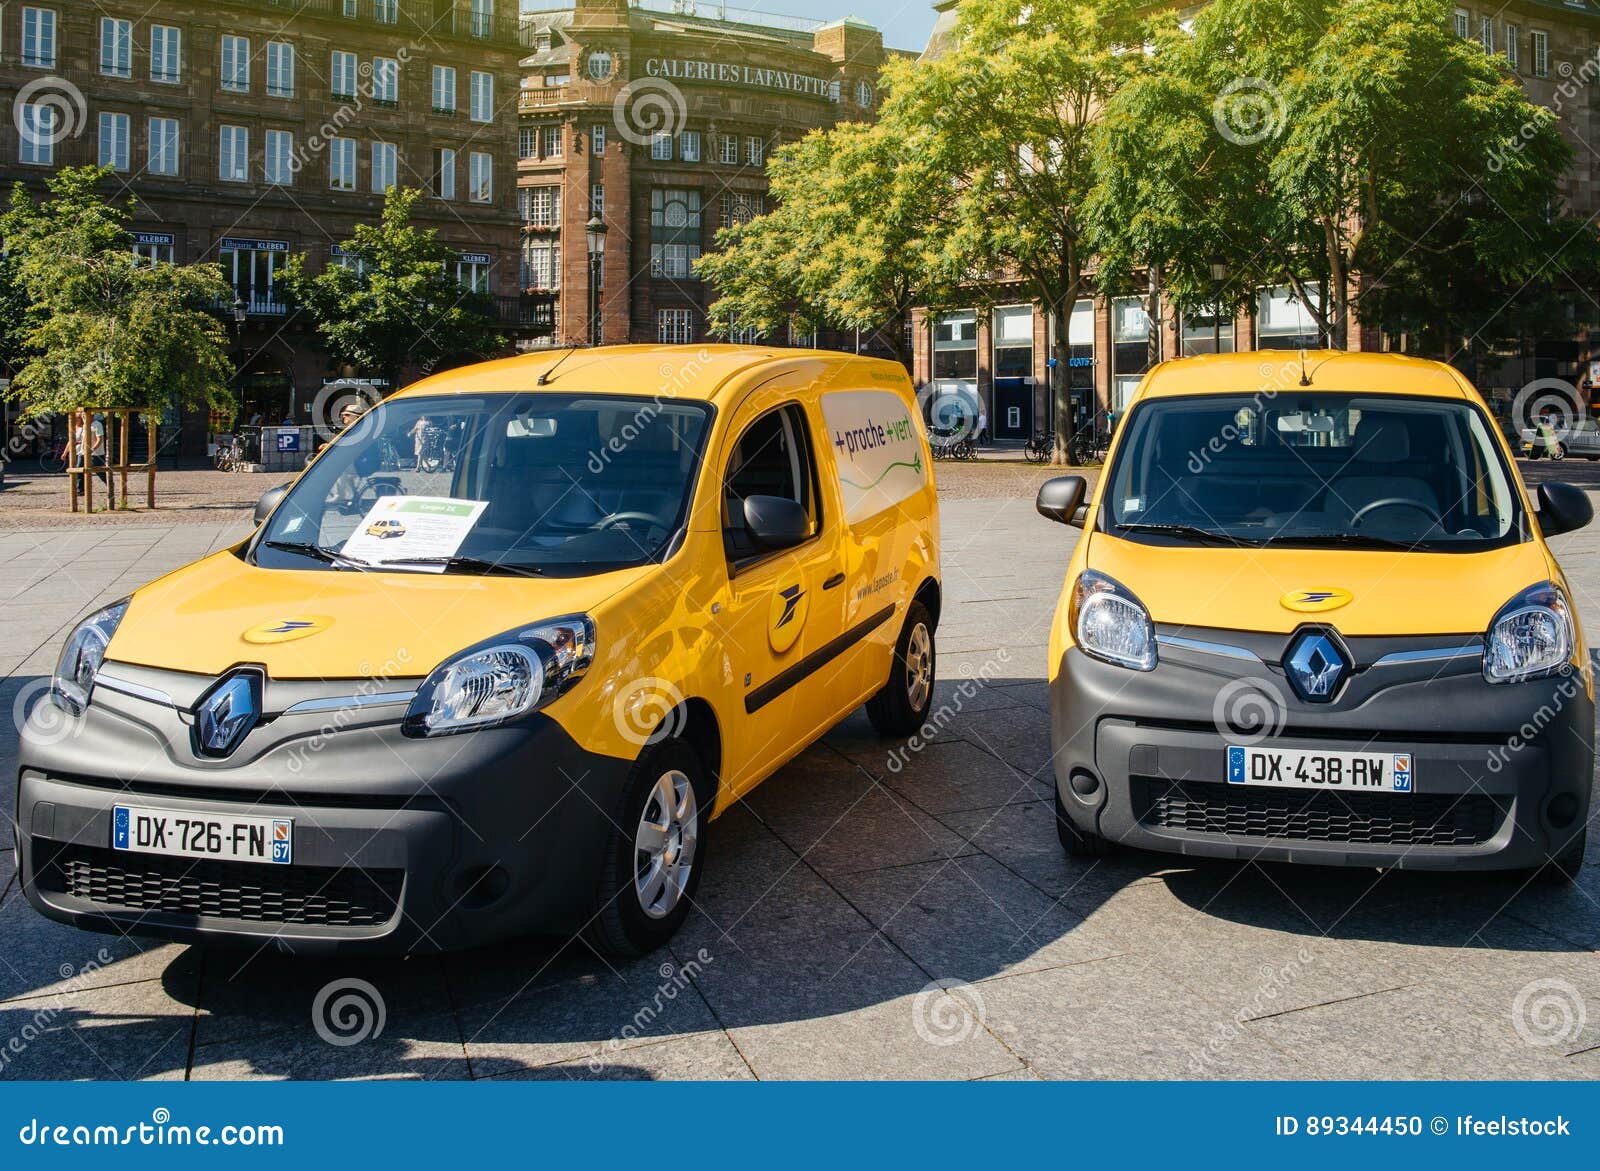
623 518
1395 502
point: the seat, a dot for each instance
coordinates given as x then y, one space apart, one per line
1381 451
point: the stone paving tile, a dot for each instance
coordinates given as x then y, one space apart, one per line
949 778
114 1033
701 1057
416 1047
1018 735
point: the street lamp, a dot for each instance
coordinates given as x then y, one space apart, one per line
240 312
1219 275
595 233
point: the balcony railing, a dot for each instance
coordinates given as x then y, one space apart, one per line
416 18
533 313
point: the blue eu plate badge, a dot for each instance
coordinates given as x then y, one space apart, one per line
119 828
1235 765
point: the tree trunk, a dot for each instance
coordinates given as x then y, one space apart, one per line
1152 310
1061 383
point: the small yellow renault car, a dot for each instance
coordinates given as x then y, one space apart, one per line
425 707
1312 617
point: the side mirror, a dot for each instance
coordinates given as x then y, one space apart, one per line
1562 508
269 500
775 522
1061 498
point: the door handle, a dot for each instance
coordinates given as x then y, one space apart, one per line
836 580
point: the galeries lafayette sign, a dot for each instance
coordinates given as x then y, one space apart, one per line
717 73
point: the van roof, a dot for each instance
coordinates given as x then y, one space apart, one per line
1281 370
701 373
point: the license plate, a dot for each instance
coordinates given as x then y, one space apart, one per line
1293 768
180 834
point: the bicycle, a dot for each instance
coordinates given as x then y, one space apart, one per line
1040 448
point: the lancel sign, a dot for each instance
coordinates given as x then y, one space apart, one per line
683 69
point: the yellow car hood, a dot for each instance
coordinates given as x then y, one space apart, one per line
1254 589
315 624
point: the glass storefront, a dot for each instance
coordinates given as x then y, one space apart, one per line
1207 333
955 346
1130 348
1283 323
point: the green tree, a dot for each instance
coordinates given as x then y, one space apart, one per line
1357 145
1007 116
102 327
397 304
848 242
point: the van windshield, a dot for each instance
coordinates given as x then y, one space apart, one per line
1312 469
529 484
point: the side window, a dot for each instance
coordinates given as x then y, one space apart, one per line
772 458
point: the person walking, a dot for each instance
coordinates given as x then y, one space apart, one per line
91 448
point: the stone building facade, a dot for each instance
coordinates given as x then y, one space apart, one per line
252 130
656 118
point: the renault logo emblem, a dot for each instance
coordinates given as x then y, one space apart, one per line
227 713
1316 665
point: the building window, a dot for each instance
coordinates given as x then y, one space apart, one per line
1012 331
541 206
955 346
482 18
541 265
1513 37
154 248
39 38
1539 42
689 146
342 164
385 166
740 208
116 47
114 141
1463 21
480 177
37 131
343 73
674 232
1080 352
280 158
482 96
552 142
444 173
236 64
730 150
599 65
473 275
661 146
1283 323
597 200
744 335
754 151
864 95
252 268
1486 34
444 89
233 154
280 69
1210 332
597 140
385 82
386 11
1130 347
674 327
166 54
673 261
163 146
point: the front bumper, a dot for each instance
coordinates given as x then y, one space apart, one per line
400 845
1503 772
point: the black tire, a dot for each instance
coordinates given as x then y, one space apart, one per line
902 704
621 925
1079 843
1563 869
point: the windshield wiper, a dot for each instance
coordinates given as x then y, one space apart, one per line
1192 532
1346 541
318 553
470 565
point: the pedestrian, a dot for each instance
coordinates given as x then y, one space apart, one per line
91 453
983 425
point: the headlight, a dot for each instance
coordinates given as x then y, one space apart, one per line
1111 624
80 660
1532 636
502 678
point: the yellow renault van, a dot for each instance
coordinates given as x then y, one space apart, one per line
1312 617
422 709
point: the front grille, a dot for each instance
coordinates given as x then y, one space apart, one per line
251 892
1379 819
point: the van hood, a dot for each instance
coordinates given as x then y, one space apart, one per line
1278 590
334 624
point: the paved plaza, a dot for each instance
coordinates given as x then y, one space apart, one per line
869 912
